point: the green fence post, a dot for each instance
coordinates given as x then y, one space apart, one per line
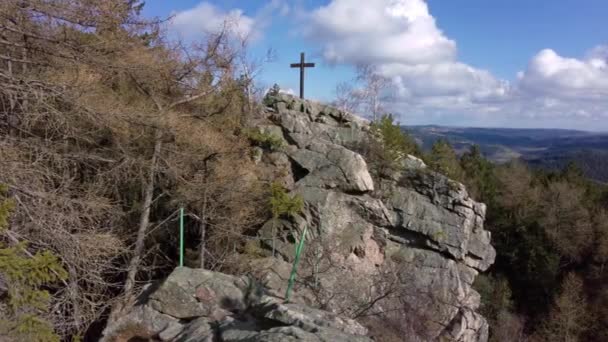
292 276
181 237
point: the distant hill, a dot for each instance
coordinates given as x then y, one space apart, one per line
545 148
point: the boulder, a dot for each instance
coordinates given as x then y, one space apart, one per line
199 305
332 166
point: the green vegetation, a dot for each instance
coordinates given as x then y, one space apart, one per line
24 275
443 159
274 91
282 204
389 146
264 140
396 143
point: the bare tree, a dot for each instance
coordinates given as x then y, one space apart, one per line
374 91
346 98
569 316
98 110
368 92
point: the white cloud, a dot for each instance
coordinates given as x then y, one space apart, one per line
280 7
401 38
208 18
403 41
381 31
598 52
288 91
550 74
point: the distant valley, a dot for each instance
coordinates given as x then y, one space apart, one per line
545 148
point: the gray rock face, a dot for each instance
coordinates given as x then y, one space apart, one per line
197 306
415 224
399 252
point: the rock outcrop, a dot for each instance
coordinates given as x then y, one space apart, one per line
414 223
398 251
197 306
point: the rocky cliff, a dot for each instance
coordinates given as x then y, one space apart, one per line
397 251
411 241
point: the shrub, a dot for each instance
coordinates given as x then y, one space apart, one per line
388 146
281 203
264 140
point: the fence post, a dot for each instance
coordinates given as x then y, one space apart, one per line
181 237
292 276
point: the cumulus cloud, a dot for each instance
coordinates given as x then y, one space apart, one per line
209 18
401 38
383 31
206 17
551 75
404 42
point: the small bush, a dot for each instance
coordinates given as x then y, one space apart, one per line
281 203
271 95
253 250
264 140
397 143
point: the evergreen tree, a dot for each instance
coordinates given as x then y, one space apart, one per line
479 175
443 159
389 147
396 143
25 274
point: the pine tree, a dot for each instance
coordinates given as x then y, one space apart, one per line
25 274
443 159
479 176
389 146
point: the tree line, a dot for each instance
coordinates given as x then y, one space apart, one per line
550 231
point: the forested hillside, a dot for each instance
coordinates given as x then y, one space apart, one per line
550 231
549 149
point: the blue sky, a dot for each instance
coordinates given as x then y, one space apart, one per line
508 63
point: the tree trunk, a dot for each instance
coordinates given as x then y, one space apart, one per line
75 296
144 221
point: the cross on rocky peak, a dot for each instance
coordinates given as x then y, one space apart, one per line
302 65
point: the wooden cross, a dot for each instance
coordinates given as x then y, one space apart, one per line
302 65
